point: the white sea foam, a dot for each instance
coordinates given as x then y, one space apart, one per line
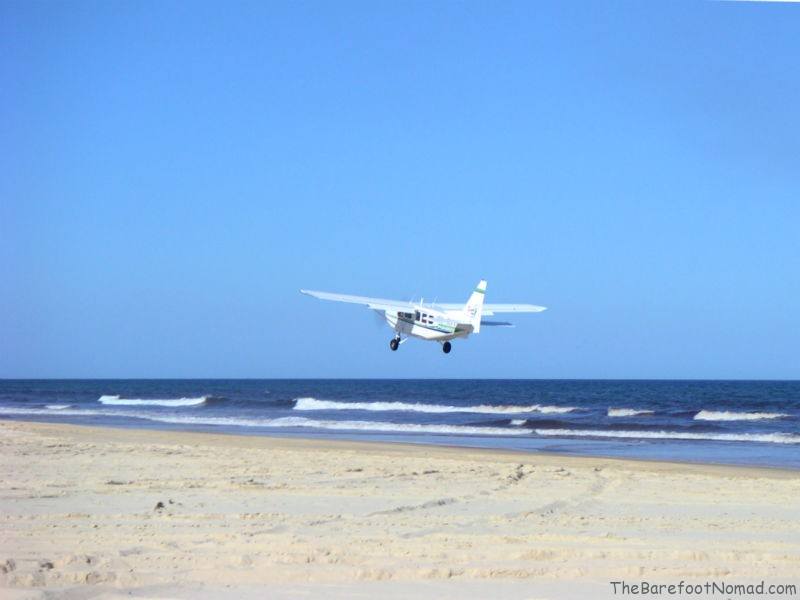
314 404
11 410
173 402
58 406
711 415
627 412
284 422
340 425
775 438
518 421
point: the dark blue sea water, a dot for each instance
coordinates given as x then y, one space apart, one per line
738 422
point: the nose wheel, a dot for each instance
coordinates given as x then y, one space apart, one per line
446 347
394 344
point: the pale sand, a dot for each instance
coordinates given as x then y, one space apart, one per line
244 516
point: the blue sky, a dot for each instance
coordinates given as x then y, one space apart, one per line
174 172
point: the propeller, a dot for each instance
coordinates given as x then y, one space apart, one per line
380 320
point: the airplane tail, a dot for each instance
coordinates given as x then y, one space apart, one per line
474 306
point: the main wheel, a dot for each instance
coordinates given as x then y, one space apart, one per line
394 344
446 347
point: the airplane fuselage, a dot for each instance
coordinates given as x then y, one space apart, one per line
428 324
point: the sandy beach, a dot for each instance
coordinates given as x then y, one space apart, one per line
100 512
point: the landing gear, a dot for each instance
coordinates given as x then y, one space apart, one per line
446 347
394 344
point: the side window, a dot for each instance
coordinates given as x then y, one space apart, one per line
416 315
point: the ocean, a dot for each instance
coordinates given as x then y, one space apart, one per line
731 422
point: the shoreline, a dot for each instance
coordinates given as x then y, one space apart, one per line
343 438
299 440
194 515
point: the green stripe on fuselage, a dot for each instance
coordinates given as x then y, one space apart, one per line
438 328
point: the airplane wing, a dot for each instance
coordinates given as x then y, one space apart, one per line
373 303
493 309
384 304
490 309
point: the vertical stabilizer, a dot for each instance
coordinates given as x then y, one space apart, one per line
474 306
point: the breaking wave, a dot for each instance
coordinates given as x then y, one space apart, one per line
173 402
314 404
627 412
710 415
774 438
58 406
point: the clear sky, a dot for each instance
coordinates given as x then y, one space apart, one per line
173 173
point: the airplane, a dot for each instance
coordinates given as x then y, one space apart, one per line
433 322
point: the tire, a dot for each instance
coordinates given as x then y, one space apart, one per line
446 347
394 344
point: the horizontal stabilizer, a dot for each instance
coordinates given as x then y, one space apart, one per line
496 324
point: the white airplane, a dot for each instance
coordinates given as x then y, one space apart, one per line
435 322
